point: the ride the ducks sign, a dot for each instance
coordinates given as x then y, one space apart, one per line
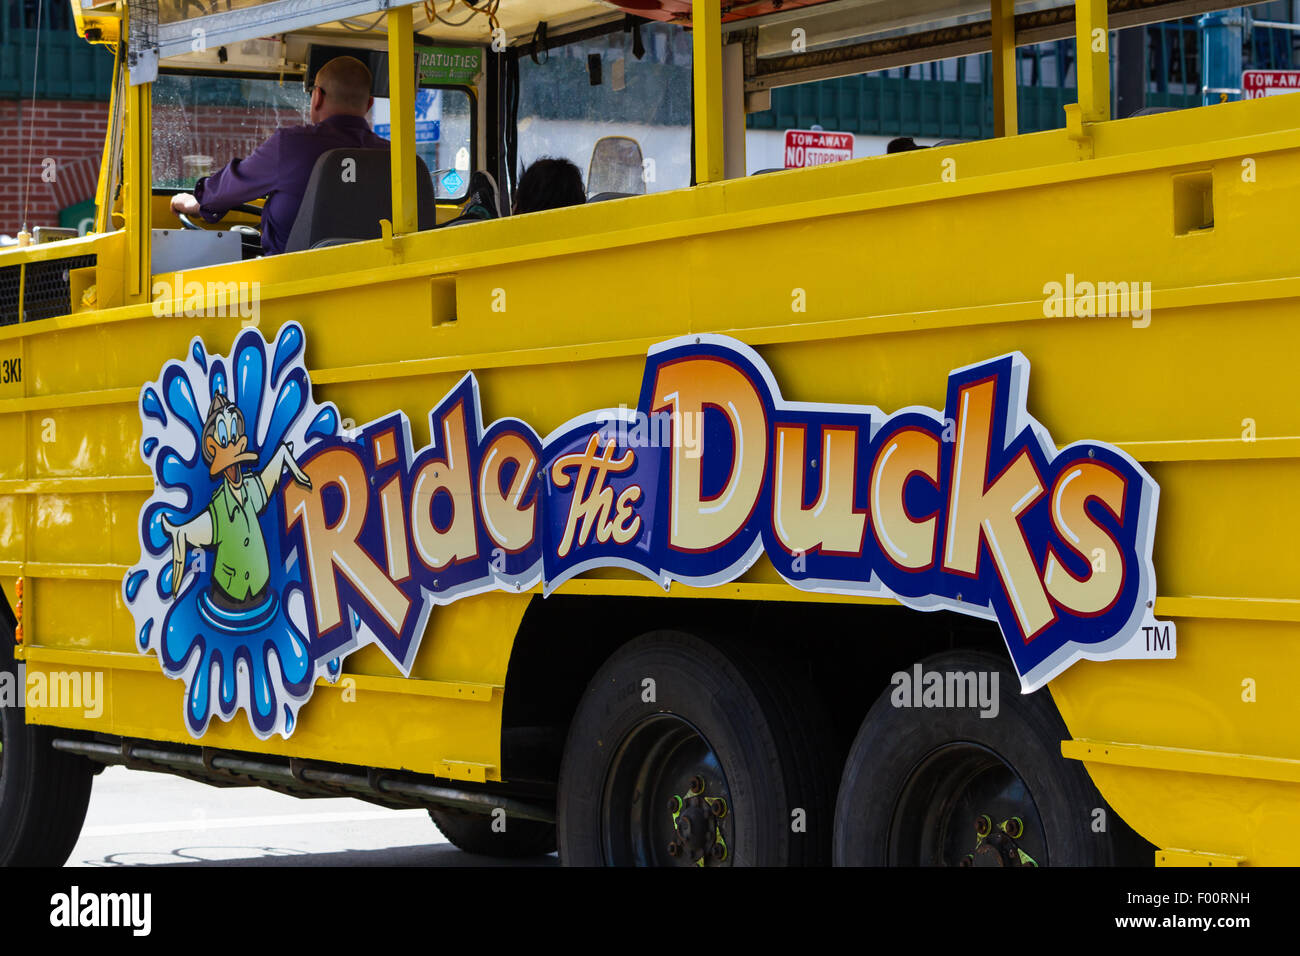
277 541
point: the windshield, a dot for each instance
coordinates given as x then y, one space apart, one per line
200 123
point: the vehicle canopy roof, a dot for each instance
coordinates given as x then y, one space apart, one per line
927 28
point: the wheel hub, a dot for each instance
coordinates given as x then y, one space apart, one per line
697 820
665 801
957 788
995 845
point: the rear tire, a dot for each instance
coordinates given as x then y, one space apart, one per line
918 781
473 833
724 757
43 792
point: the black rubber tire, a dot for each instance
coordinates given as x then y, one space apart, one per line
1026 734
766 729
43 792
473 833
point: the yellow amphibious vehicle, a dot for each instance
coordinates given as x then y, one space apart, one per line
927 508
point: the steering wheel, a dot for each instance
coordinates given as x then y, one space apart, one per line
244 207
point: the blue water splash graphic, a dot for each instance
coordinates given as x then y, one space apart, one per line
253 656
324 425
286 350
250 378
152 407
133 582
217 380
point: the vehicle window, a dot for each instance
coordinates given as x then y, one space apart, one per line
443 137
562 115
200 123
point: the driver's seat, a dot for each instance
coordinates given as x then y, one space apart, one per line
349 191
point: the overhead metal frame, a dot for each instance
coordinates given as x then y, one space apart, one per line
250 23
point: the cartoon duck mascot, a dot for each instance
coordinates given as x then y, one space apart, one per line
230 523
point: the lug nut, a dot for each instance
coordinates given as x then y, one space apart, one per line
967 860
983 825
674 848
719 808
1014 828
719 852
674 804
697 784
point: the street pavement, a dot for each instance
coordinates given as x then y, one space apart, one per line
138 818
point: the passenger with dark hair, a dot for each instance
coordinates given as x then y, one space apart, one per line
902 144
549 184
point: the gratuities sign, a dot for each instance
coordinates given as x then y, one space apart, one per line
449 64
278 542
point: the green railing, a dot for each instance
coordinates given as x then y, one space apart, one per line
928 100
879 104
918 101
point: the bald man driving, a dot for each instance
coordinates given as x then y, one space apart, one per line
280 167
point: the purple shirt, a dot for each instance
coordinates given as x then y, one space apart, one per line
279 169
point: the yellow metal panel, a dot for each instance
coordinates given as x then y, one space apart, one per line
1184 761
344 723
1092 65
1195 858
103 201
462 770
137 190
115 660
706 18
1212 730
13 531
1225 693
1006 120
69 696
401 89
95 572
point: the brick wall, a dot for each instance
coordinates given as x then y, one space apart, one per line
71 132
220 133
